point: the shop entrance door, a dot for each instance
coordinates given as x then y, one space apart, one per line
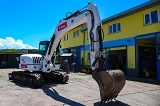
158 56
147 57
118 58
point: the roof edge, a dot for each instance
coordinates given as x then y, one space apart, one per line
130 11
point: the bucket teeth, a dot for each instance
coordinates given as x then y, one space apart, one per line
110 83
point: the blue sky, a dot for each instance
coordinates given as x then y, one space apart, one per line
27 22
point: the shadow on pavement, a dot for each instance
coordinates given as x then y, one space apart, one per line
21 84
144 80
112 103
55 95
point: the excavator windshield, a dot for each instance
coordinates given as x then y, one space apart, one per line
43 46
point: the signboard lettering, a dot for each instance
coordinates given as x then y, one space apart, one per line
62 26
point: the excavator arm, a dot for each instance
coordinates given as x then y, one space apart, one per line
110 82
88 14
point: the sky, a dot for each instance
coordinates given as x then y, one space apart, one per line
24 23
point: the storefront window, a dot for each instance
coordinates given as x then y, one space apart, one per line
89 56
73 50
105 52
65 51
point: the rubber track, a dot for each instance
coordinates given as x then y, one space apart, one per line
37 80
34 80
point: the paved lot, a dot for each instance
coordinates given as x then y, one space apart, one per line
81 90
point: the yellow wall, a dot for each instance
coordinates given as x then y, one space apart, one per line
85 57
85 34
72 42
139 28
118 48
132 25
131 56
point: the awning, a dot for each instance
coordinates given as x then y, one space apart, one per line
67 54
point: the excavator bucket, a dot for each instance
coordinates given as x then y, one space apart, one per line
110 83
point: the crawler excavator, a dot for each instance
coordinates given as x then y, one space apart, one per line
36 66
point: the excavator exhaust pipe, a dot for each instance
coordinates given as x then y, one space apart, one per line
110 83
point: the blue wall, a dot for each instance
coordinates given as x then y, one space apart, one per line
115 43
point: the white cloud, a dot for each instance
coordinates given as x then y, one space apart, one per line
11 43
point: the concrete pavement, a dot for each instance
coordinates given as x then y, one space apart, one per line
81 90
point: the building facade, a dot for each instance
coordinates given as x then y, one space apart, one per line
131 41
9 58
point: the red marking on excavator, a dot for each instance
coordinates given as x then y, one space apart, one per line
62 26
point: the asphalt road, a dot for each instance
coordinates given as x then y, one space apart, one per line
81 90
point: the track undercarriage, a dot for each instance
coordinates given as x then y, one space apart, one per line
37 79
